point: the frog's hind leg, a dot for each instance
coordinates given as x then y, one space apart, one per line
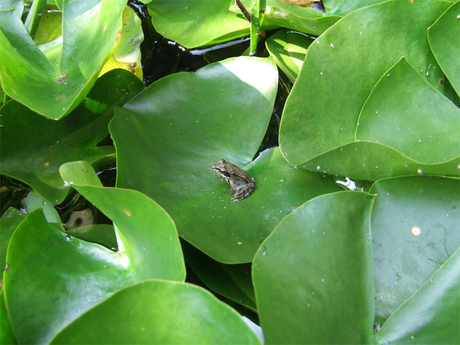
244 191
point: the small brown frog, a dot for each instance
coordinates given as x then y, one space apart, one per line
242 184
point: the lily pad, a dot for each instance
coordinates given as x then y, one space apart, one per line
397 114
432 315
313 275
289 48
33 148
54 87
343 66
194 23
159 312
373 161
128 54
35 201
307 19
50 27
415 229
169 137
443 36
9 222
6 332
46 290
342 8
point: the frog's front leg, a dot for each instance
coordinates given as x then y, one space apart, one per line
232 190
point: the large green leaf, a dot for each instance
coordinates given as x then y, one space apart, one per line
305 19
52 278
6 332
432 315
373 161
128 53
341 8
34 201
289 48
415 229
17 5
169 137
406 113
53 85
12 218
194 23
139 223
50 27
340 72
159 312
8 224
443 36
33 148
313 275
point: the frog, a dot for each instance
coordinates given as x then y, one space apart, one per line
242 185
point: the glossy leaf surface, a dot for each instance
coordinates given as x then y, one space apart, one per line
159 312
398 115
338 76
313 275
308 18
432 315
54 84
443 36
196 23
169 137
33 148
45 290
373 161
342 8
6 332
415 229
9 222
139 223
127 55
289 48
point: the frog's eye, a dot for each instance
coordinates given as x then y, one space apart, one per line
222 161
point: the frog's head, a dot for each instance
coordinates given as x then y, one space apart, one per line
221 169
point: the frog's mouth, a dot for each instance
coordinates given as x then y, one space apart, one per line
221 173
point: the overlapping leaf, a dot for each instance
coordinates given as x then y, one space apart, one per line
169 137
128 54
45 290
289 48
159 312
444 43
308 18
338 76
313 275
415 229
397 114
53 83
432 315
196 23
33 148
